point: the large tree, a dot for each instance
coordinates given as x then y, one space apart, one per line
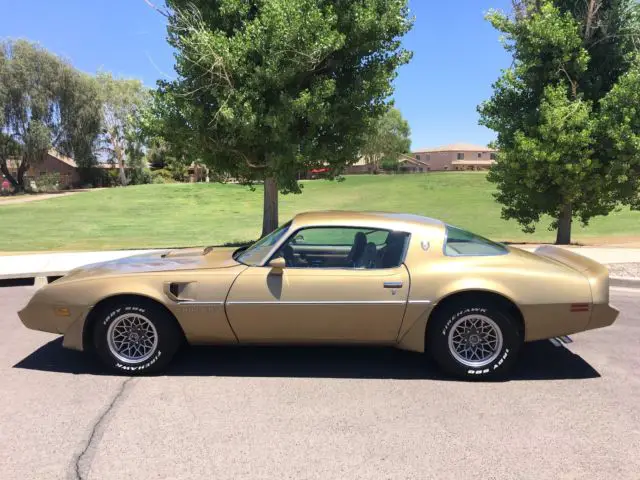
389 137
44 104
552 111
269 88
123 103
168 145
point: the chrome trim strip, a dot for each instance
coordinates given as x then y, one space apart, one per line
318 302
307 302
195 302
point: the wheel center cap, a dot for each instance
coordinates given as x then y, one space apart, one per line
474 339
134 337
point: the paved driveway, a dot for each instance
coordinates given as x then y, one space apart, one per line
235 413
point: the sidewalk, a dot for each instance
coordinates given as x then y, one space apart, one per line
53 264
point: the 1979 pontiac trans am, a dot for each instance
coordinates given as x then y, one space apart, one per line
331 278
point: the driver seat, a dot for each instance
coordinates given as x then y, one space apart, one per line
289 257
394 249
357 249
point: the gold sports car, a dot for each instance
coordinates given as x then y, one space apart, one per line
331 278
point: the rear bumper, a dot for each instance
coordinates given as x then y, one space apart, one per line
602 315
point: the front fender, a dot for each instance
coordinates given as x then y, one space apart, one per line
202 318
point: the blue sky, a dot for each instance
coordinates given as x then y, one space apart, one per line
457 55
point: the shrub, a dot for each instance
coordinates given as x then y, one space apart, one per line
140 176
48 182
112 178
162 176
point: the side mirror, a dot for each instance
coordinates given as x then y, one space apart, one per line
277 265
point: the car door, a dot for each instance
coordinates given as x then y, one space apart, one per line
315 303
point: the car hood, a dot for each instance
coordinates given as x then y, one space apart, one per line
161 261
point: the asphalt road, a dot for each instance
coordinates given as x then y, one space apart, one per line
258 413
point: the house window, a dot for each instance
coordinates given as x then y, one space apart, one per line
492 156
417 157
479 155
461 156
446 168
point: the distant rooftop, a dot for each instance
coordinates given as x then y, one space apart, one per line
457 147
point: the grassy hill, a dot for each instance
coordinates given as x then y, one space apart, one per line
207 214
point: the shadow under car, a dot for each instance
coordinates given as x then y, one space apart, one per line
537 361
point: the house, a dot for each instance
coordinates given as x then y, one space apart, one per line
197 173
457 156
53 162
360 167
407 164
410 164
454 157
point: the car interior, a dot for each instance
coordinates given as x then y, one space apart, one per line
331 248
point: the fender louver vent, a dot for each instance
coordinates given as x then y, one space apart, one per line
174 288
181 291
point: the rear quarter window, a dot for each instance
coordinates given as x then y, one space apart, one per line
461 243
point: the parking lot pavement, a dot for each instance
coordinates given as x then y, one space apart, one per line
325 413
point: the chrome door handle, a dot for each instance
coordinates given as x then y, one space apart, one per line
392 284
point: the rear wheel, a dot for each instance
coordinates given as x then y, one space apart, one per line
136 336
478 340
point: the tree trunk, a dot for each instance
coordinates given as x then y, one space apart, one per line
20 177
18 180
5 171
119 155
270 208
123 176
563 236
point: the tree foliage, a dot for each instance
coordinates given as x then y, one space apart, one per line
44 104
269 88
560 148
388 138
123 103
168 145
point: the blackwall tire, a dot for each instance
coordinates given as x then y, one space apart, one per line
136 337
474 341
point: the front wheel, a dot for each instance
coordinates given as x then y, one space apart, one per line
475 341
136 337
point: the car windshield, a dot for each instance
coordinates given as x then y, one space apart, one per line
256 252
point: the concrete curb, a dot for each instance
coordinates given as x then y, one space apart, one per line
20 276
625 282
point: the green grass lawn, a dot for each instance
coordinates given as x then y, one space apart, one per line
208 214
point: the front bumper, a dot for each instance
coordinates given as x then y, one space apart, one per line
602 315
43 317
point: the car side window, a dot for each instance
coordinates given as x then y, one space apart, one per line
463 243
344 247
